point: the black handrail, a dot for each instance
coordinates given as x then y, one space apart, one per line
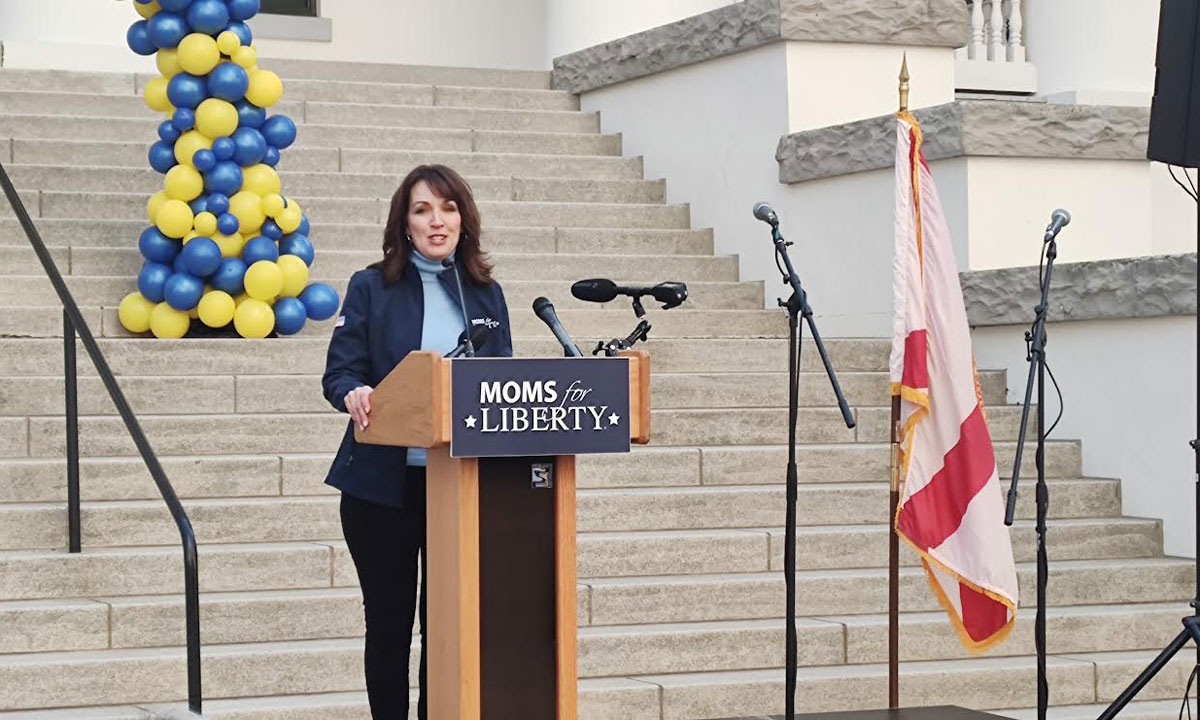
73 322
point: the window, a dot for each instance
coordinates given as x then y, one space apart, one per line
306 8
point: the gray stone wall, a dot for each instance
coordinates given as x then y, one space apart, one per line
1138 287
928 23
978 128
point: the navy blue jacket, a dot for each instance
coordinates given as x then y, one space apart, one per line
380 325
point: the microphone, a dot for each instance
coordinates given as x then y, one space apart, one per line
545 310
477 336
1059 220
670 294
462 305
764 212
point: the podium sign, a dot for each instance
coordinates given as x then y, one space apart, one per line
505 407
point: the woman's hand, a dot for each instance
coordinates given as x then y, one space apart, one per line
358 404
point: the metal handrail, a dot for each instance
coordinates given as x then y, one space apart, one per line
73 322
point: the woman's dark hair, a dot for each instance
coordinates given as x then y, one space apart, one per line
448 185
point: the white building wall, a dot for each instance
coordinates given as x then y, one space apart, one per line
577 24
1130 392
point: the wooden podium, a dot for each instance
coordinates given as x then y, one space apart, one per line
501 585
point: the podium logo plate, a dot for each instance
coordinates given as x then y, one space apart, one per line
517 406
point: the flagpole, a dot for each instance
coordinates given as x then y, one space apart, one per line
894 503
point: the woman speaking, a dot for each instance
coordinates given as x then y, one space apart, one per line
408 301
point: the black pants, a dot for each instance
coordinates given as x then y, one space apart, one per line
385 543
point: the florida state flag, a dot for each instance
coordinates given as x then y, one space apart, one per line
951 509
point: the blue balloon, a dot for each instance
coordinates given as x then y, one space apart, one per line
167 132
208 16
228 224
177 266
201 256
242 30
224 148
218 204
199 205
151 280
162 156
249 114
224 178
138 37
305 226
290 315
175 6
251 147
166 29
271 156
258 248
184 119
204 160
271 230
230 276
183 291
320 300
298 245
243 9
228 82
186 91
280 131
156 247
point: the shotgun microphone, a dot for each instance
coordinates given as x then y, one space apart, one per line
477 336
545 310
469 351
1058 220
670 294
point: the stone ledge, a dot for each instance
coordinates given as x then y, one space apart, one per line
1137 287
754 23
976 128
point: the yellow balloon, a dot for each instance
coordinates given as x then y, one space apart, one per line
155 94
231 245
190 236
241 299
295 275
216 309
264 280
168 63
272 204
265 88
205 223
198 54
134 313
154 204
289 220
147 11
261 179
167 322
246 206
228 42
187 145
254 319
245 57
216 118
184 182
174 218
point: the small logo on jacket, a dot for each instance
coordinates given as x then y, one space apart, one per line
490 323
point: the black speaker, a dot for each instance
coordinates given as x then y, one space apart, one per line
1175 114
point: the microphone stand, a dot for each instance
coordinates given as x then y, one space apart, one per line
797 307
1036 356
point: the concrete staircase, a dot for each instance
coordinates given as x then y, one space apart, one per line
680 548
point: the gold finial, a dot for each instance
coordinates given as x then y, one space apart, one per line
904 84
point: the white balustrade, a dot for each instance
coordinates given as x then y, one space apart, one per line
994 58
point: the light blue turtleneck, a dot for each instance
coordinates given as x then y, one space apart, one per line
442 325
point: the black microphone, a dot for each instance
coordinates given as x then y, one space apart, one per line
462 304
670 294
545 310
1059 220
477 336
764 212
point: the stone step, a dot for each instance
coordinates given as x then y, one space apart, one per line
75 233
358 114
144 182
133 153
116 129
300 518
201 476
697 598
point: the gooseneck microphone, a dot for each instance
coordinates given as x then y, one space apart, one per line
766 213
1058 220
462 305
670 294
545 310
477 336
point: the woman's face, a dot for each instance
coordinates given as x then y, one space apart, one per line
433 223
